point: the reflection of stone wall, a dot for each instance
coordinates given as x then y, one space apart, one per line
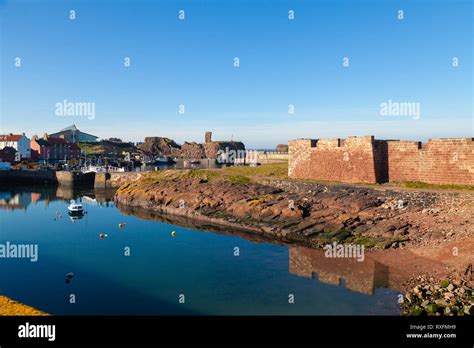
362 276
65 192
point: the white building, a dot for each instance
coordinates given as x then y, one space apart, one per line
19 142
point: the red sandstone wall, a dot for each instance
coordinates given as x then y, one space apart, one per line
349 160
440 161
363 159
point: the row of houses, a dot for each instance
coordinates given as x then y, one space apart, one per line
57 146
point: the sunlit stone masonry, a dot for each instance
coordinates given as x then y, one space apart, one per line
365 159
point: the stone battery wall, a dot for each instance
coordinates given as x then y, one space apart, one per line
439 161
364 159
346 160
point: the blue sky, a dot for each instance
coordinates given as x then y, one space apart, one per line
282 62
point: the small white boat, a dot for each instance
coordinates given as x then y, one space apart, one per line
75 208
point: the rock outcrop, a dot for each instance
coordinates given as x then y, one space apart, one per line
446 297
311 214
159 146
192 150
214 148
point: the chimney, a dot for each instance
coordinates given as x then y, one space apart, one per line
208 137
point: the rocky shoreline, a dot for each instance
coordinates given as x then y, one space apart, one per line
311 214
452 297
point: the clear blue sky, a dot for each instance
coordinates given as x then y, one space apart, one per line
283 62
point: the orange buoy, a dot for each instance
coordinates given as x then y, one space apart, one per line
102 235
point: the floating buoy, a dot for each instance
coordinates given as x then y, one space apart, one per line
173 233
57 212
122 225
103 235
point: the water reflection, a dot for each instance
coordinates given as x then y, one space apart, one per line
21 197
380 269
376 271
15 200
362 277
202 265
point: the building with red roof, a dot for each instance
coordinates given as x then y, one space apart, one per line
17 141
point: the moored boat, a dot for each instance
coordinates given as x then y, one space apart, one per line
75 208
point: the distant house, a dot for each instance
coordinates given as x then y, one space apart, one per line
50 148
73 135
39 148
74 151
17 141
58 148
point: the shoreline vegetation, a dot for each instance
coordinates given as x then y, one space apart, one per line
263 201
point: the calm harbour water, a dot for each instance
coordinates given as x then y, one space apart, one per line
198 264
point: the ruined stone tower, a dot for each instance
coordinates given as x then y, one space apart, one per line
208 137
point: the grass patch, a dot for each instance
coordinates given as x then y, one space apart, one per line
334 236
171 175
422 185
238 175
238 179
344 236
273 170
